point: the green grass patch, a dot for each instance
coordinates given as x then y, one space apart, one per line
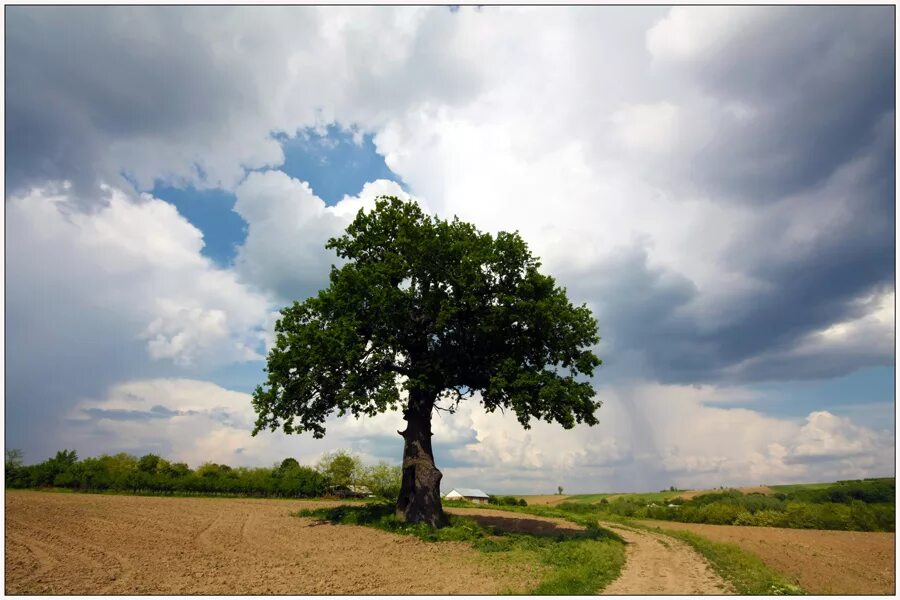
587 498
578 563
749 575
799 487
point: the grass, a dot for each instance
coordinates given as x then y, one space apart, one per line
749 575
797 487
745 571
635 496
588 498
579 563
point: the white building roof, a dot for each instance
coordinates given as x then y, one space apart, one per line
468 492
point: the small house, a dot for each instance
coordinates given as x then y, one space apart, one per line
470 494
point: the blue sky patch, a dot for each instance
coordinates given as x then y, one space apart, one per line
212 212
866 389
333 163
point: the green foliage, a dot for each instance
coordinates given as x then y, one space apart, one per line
746 572
148 463
581 563
152 474
451 309
383 479
288 463
866 505
507 501
13 458
341 468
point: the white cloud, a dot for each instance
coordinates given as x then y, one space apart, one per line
647 127
197 421
725 223
136 263
287 228
640 441
691 33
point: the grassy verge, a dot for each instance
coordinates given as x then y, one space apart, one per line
580 563
539 510
749 575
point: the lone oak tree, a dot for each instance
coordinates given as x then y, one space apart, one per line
441 311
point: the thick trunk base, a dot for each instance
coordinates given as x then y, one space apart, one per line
420 490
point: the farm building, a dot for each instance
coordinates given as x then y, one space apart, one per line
470 494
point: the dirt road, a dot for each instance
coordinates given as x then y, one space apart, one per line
658 564
95 544
655 563
823 562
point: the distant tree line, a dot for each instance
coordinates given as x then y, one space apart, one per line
862 505
507 501
335 474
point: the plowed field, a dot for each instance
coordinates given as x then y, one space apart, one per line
97 544
823 562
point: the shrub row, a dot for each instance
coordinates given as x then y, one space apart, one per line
153 474
507 501
854 505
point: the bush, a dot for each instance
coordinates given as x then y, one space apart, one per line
506 501
730 507
383 480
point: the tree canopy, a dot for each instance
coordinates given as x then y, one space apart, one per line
444 307
427 311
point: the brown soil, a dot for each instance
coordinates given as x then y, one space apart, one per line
547 500
96 544
657 564
823 562
517 522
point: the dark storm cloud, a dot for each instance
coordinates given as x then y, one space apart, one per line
172 84
815 81
194 95
648 327
816 160
81 78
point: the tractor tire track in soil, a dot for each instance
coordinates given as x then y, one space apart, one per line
89 544
658 564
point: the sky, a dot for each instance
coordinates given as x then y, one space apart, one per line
717 184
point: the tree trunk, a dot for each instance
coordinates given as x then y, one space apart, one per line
420 490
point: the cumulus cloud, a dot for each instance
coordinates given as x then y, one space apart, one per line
192 95
112 293
764 179
287 228
639 443
789 102
197 421
727 225
710 227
